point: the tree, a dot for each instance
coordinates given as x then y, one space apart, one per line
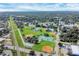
71 35
32 53
0 33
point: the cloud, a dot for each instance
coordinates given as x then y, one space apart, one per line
36 8
4 10
39 7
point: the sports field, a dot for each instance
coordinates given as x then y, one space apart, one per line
28 30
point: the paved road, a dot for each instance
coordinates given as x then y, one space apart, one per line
24 50
57 41
15 41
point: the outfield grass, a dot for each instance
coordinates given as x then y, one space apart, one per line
38 47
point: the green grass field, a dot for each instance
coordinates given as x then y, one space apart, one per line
27 31
18 39
38 47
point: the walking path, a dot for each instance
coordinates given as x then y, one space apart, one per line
15 41
21 37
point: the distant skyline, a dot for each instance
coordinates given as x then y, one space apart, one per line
4 7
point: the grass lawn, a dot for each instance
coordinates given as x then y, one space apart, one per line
38 47
27 31
18 39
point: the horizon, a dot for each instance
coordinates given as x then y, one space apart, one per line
39 11
31 7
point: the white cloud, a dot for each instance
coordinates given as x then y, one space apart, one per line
36 7
5 10
72 5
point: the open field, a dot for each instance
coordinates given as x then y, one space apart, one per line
28 30
39 47
17 39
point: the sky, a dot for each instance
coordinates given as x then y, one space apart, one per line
39 7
